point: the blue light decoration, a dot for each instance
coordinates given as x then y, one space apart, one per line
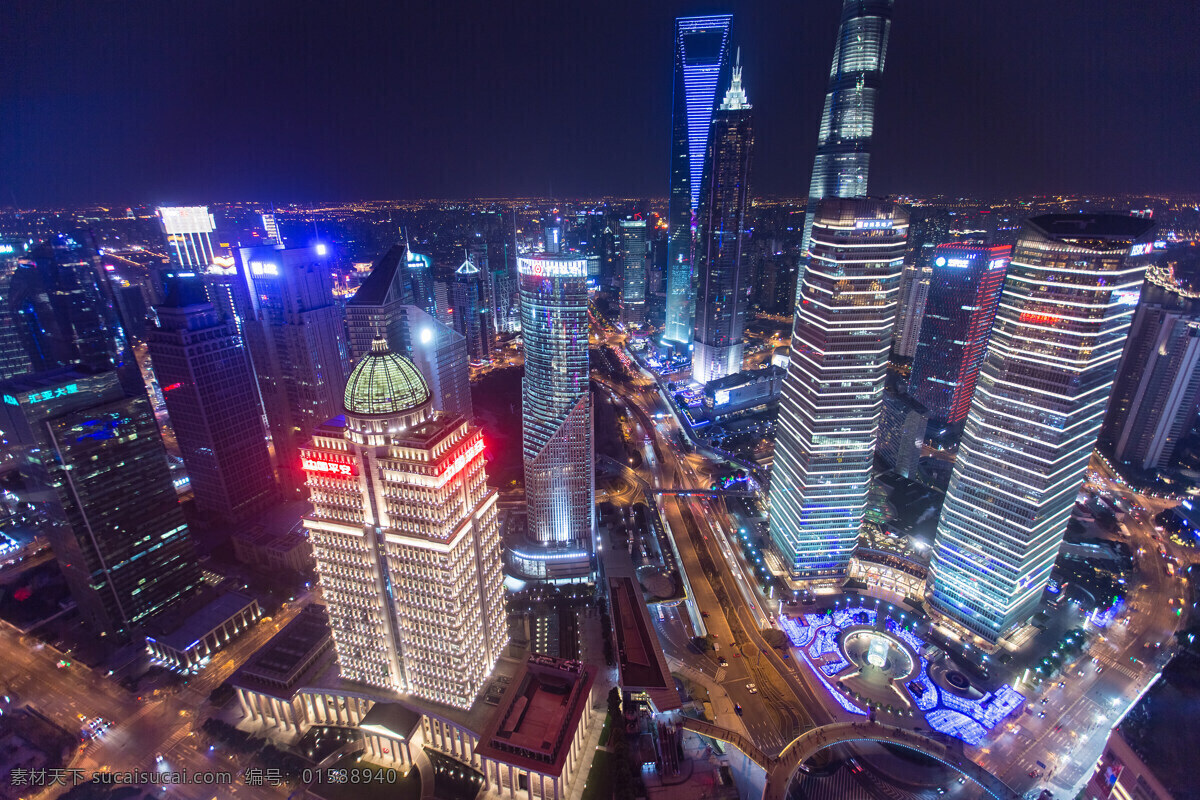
1103 618
701 71
816 637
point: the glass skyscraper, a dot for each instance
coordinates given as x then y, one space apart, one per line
701 59
964 288
633 271
1063 317
1154 397
556 409
832 396
842 161
720 239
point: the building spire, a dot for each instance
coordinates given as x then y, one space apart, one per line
735 98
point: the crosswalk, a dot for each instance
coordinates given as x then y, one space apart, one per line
720 676
1123 667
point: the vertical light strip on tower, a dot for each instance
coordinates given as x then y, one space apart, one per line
832 396
842 161
701 54
1059 332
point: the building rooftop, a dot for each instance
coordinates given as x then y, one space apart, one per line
536 720
290 656
1089 226
742 378
384 383
203 621
374 290
643 666
393 720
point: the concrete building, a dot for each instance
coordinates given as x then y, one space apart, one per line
902 432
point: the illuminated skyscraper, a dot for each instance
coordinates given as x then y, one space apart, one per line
556 410
1058 335
204 372
406 538
832 396
472 317
633 273
848 119
374 310
65 312
297 344
720 238
1154 397
189 232
14 360
965 285
701 62
440 353
113 520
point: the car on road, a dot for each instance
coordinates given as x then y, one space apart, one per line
1041 715
705 615
723 661
737 709
855 767
750 687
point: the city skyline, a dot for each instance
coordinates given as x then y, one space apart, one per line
919 147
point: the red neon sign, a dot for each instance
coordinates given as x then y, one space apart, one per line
323 466
1038 319
172 386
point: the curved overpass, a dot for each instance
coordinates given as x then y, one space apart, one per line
781 769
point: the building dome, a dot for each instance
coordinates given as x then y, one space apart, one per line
384 383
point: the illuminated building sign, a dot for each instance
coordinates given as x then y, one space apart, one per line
7 248
172 387
49 394
721 397
264 268
187 219
997 263
553 267
456 466
1128 298
959 263
872 224
333 468
1141 249
1038 319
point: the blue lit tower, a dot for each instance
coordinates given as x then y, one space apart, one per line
847 121
1062 322
701 58
557 419
964 288
720 236
297 345
833 393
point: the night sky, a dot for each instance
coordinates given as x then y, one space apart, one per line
174 102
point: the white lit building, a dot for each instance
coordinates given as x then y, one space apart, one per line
833 393
406 538
560 485
1063 317
189 231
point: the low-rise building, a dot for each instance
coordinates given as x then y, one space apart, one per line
743 393
188 644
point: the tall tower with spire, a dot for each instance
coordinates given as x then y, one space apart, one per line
720 238
848 119
701 61
472 318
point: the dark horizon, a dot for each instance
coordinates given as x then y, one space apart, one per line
153 104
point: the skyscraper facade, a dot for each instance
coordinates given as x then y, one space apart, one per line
964 288
419 272
556 411
406 538
701 59
910 313
633 280
297 344
65 312
204 372
1058 335
721 238
440 353
848 119
830 409
374 310
14 359
189 233
113 519
1154 397
472 317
